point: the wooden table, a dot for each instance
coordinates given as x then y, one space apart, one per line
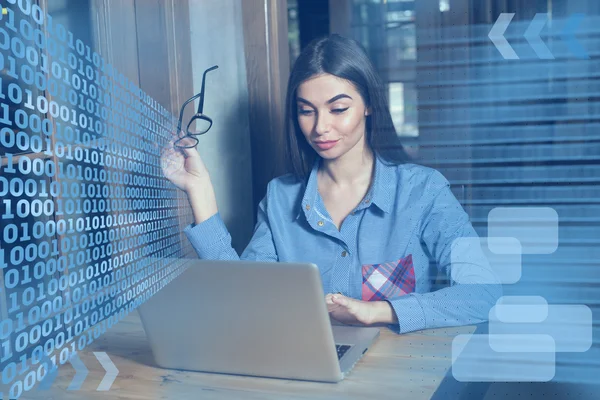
397 366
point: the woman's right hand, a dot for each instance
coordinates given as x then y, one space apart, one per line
184 167
186 170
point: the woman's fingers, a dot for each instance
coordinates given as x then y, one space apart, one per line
187 145
171 161
334 308
332 305
329 299
340 299
190 152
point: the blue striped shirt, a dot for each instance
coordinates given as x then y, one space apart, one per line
408 210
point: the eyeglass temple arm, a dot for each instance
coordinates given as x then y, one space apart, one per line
201 105
183 109
201 95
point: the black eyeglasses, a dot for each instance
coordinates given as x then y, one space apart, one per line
199 124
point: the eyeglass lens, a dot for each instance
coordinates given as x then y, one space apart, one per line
199 126
186 142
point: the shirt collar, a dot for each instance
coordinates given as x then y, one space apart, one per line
381 193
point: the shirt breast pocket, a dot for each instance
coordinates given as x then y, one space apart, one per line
388 280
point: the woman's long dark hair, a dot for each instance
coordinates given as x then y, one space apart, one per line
346 59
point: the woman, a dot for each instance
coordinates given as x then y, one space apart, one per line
370 221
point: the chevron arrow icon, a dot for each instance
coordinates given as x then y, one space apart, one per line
532 34
496 35
568 35
111 371
81 372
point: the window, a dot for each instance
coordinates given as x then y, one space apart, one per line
387 30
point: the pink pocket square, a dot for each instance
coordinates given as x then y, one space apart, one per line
388 280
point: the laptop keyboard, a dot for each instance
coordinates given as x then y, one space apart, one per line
341 350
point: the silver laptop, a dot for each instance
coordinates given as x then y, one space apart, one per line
251 318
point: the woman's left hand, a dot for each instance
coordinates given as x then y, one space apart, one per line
350 311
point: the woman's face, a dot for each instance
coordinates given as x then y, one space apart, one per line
330 109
